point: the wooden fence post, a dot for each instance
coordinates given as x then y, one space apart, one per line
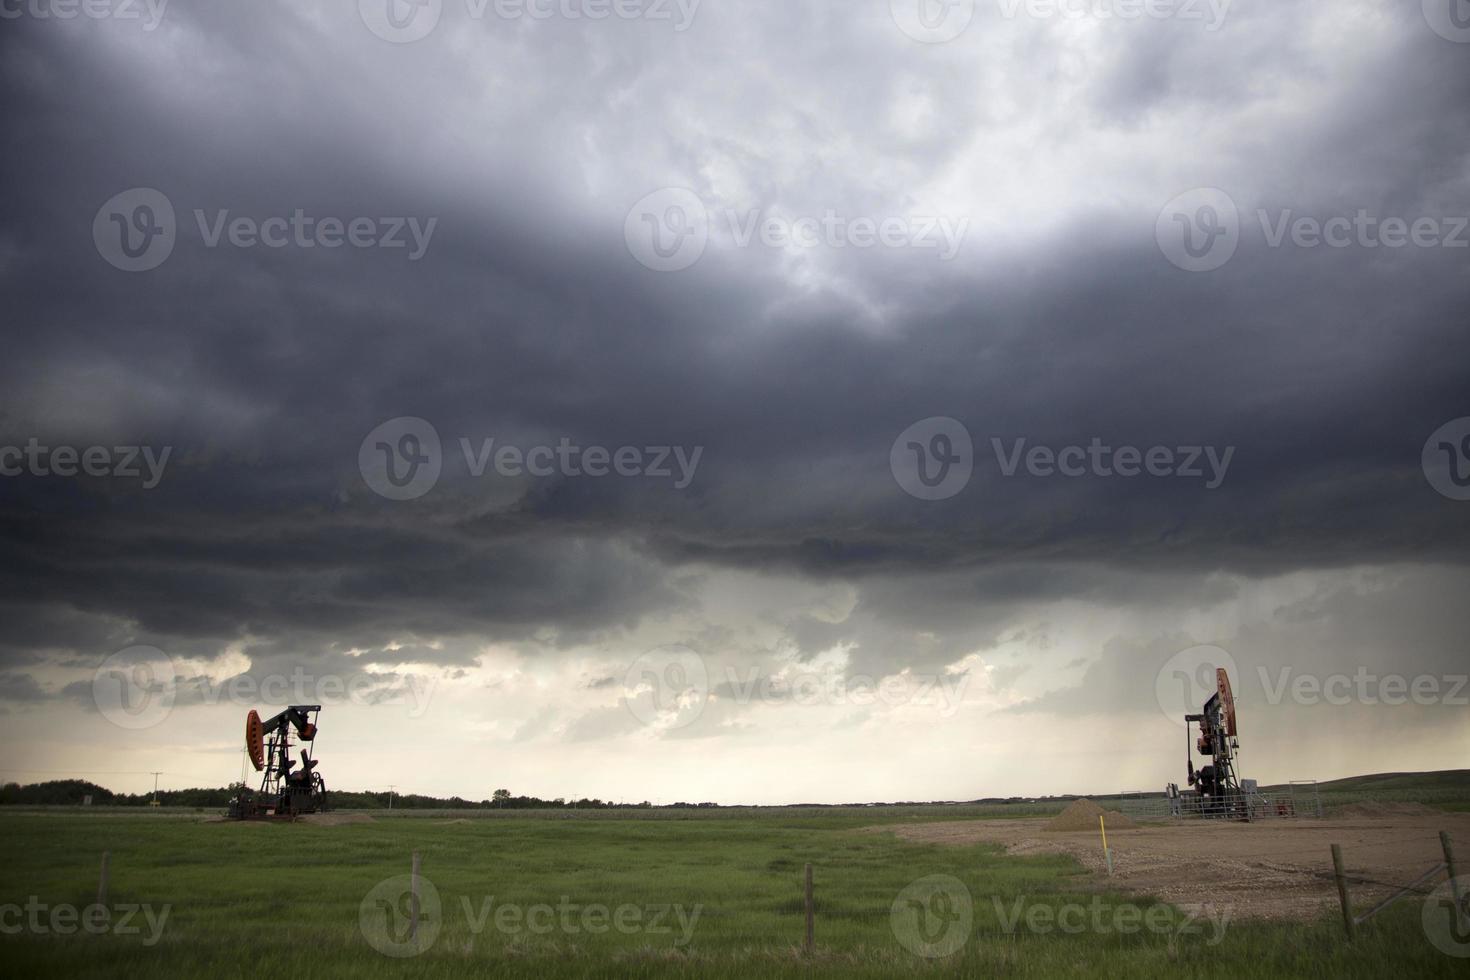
810 913
1449 863
102 881
1342 891
413 892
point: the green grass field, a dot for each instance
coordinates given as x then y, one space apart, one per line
520 896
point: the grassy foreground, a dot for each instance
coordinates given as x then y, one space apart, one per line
523 896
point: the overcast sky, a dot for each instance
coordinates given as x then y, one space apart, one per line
888 400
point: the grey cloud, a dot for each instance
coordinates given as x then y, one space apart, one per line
527 319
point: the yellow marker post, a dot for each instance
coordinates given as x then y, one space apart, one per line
1107 854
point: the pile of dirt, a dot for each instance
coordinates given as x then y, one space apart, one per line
1381 811
1083 814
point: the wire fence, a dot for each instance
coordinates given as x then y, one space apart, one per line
1299 798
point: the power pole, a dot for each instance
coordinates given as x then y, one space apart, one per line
390 795
155 785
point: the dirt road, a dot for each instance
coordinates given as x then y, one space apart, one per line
1279 869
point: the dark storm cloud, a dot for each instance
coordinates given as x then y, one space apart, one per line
527 320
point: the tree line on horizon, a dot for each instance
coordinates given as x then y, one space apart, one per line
74 792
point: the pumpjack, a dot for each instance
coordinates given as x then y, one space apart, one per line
1217 785
285 791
